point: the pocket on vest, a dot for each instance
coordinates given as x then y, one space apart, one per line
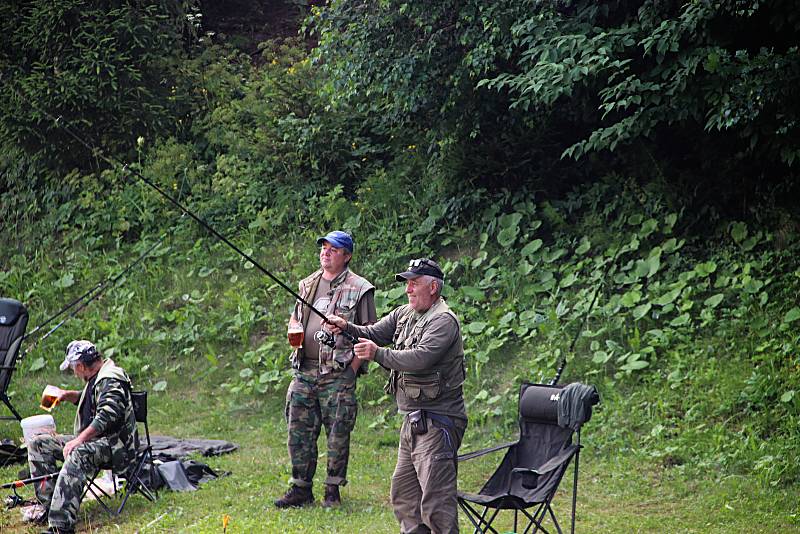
421 387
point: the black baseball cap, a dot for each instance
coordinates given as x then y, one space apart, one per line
420 267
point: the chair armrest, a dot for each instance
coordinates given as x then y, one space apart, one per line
475 454
556 461
530 476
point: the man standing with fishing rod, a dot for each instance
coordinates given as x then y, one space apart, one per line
323 389
426 376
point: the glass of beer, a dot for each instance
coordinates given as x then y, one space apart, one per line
296 335
49 397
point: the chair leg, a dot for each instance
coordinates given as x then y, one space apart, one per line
10 406
135 482
99 494
482 526
575 486
536 519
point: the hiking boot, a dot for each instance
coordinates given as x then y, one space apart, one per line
331 496
296 496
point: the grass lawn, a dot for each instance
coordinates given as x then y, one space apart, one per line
616 494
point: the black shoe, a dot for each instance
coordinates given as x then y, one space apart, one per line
332 497
296 496
59 530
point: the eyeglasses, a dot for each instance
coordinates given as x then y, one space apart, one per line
416 263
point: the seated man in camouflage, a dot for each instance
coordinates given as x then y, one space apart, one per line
105 436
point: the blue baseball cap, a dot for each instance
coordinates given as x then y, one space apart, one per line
338 239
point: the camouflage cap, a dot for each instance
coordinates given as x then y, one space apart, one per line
79 350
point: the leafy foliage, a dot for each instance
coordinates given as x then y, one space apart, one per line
100 68
443 139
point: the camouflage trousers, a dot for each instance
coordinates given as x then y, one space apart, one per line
314 400
63 495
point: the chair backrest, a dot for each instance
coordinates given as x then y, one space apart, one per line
540 440
13 321
540 436
139 400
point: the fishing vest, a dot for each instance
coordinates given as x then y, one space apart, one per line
436 388
345 295
123 438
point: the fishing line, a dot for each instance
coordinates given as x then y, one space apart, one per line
115 163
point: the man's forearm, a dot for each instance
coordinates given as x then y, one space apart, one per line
88 434
72 396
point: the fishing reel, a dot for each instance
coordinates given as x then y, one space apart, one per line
325 338
14 500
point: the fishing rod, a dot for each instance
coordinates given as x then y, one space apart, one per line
125 168
99 289
16 499
61 311
563 362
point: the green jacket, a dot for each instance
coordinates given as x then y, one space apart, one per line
426 359
114 418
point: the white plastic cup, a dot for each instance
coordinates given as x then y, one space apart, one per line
37 424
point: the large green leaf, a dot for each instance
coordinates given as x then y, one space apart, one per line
507 236
584 246
635 365
680 320
510 220
472 292
65 281
714 300
705 269
531 247
568 280
792 315
641 310
630 298
475 327
654 261
738 231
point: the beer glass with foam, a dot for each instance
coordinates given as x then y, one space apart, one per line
50 397
295 335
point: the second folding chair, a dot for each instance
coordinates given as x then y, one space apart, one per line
139 476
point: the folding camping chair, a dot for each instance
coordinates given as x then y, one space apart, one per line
531 469
138 476
13 320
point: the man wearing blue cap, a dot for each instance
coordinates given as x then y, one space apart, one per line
426 363
323 389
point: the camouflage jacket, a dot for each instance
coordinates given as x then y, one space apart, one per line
113 418
346 292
